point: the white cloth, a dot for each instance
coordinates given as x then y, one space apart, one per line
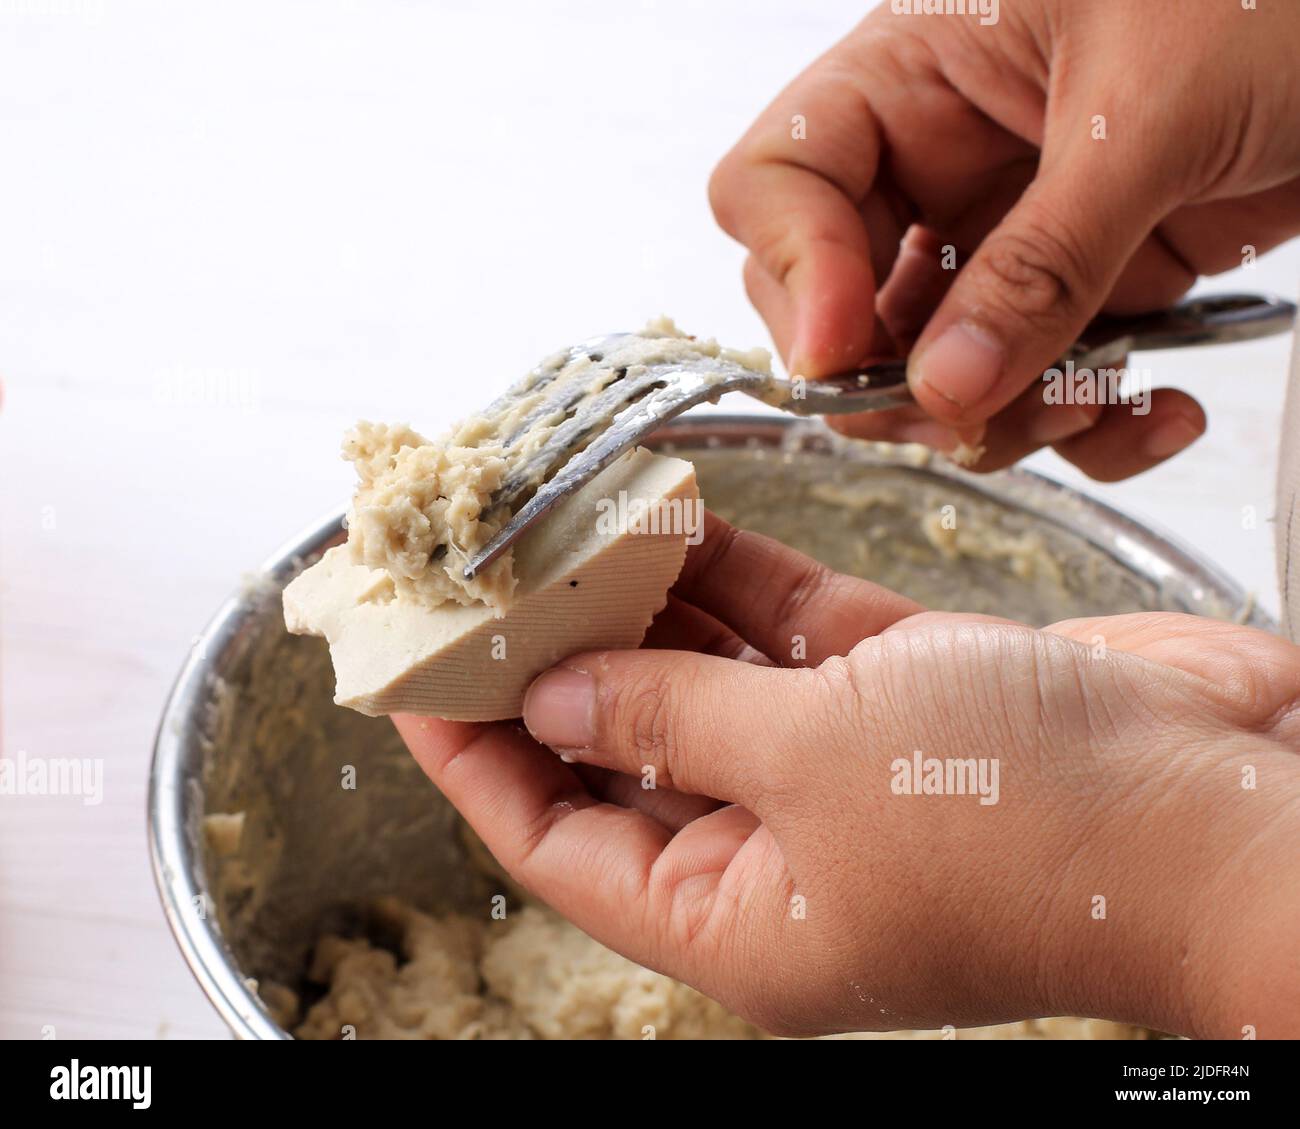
1286 531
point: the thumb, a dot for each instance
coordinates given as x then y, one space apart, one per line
694 723
1033 284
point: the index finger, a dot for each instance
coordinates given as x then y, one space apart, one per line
790 192
787 605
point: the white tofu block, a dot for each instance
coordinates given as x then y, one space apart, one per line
583 584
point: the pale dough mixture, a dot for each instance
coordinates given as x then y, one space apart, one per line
530 976
535 976
408 633
422 508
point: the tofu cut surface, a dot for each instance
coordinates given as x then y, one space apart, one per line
586 580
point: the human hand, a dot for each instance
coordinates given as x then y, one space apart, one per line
774 867
930 141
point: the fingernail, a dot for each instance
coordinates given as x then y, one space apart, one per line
962 366
1171 437
803 363
1057 423
821 347
800 361
559 708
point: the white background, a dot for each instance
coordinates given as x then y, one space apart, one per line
325 211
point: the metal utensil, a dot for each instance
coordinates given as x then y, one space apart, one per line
597 429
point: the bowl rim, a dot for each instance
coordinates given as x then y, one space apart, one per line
174 804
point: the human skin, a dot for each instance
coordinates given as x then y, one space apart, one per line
1147 760
773 867
926 132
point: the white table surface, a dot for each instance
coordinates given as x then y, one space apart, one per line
312 212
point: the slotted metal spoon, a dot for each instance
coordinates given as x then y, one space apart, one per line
597 429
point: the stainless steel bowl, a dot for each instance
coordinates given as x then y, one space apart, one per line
193 774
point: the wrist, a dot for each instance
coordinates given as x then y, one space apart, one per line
1243 949
1183 914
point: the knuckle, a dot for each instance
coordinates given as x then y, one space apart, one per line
645 712
879 686
725 192
847 682
793 594
688 914
752 275
735 199
817 724
775 248
1041 273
